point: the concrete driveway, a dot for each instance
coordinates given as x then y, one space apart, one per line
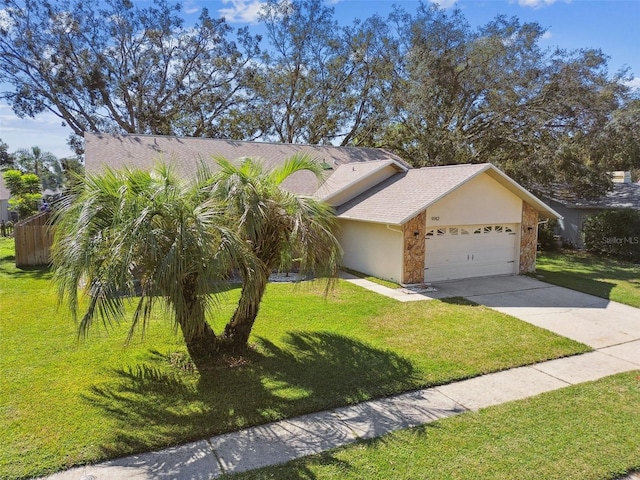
595 321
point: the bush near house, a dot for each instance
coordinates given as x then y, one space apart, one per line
546 236
615 233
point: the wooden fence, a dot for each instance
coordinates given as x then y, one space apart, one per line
33 237
6 229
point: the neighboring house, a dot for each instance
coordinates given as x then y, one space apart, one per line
4 200
575 211
397 223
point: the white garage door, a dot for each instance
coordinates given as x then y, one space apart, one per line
470 251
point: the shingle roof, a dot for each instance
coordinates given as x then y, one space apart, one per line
347 175
144 151
623 195
393 201
404 195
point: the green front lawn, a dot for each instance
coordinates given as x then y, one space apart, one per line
585 432
65 401
606 278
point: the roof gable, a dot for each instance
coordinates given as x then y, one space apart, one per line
349 180
403 196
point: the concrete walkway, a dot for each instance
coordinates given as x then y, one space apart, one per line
612 329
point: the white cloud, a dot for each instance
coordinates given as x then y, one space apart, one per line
634 84
445 3
45 131
5 20
241 11
547 35
538 3
189 7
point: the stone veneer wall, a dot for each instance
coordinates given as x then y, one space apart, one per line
528 239
414 249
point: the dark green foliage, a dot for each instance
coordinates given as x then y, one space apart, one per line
493 94
615 233
546 240
6 159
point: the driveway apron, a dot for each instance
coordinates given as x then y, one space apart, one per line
594 321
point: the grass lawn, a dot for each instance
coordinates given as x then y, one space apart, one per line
553 436
65 401
606 278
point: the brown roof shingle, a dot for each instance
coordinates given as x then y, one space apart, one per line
404 195
145 151
393 201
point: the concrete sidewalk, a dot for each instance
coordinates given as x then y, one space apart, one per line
612 329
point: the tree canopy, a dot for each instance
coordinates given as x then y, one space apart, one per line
492 94
114 66
424 83
45 165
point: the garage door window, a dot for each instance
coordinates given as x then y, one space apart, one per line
461 251
479 230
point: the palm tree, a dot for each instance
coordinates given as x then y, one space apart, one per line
279 227
44 164
147 237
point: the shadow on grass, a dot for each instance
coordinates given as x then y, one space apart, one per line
297 469
156 405
460 301
8 268
585 272
581 283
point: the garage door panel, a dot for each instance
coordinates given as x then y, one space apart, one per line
470 251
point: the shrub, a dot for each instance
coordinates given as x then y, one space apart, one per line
546 236
615 233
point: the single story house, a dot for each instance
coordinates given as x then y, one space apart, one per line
396 222
575 210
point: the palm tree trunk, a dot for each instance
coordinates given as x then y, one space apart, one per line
237 331
199 337
201 348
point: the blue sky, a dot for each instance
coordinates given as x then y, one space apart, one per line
610 25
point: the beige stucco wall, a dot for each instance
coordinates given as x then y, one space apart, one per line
372 248
481 200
